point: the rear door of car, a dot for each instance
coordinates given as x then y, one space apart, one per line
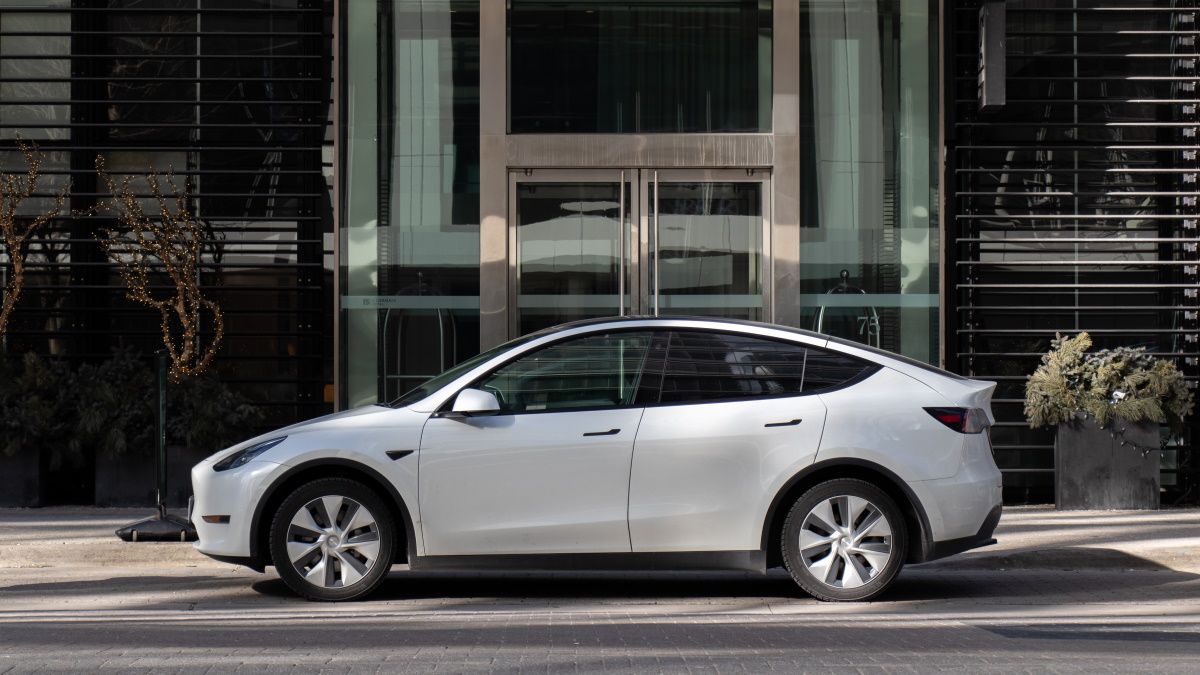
730 418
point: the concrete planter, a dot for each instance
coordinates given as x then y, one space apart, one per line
1092 470
125 480
129 480
20 479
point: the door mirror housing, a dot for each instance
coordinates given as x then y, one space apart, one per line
475 403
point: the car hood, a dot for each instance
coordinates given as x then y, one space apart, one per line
355 418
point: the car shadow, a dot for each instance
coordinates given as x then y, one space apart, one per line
922 583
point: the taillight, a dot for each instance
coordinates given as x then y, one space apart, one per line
962 420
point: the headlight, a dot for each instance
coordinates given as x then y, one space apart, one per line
243 457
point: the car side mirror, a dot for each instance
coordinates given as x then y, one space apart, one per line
475 403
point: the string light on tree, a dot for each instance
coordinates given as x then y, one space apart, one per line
173 238
15 229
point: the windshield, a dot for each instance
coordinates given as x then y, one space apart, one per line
435 383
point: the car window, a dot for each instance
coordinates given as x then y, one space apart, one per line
709 366
430 386
596 371
825 369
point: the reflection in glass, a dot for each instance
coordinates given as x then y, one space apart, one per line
710 246
637 66
569 247
869 175
411 220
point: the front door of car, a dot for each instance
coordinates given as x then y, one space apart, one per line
549 473
734 418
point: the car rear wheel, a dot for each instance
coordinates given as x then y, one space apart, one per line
844 540
332 539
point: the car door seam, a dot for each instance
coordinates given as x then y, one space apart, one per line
629 482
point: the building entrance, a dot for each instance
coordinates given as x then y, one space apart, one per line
594 243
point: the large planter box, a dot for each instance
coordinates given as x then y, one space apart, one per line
20 479
130 480
1092 470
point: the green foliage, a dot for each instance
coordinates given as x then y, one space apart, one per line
204 413
111 408
36 408
1123 383
116 406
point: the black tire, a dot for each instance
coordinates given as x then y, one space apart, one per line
845 566
351 492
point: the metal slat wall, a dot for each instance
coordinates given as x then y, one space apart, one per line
235 96
1074 206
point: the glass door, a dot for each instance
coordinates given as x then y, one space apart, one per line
707 235
595 243
569 252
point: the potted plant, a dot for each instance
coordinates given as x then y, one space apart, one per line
116 422
1108 407
36 401
204 415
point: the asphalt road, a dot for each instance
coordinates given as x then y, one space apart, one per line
208 617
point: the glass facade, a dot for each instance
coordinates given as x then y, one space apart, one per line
640 157
869 192
637 66
410 230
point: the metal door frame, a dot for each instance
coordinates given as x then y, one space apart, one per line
625 178
650 178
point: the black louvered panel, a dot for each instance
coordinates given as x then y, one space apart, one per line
1074 206
233 95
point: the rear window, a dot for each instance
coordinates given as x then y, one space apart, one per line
899 357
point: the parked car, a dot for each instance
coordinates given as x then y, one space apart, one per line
673 443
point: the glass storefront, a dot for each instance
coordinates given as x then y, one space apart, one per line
649 157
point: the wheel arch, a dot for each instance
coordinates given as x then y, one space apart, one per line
915 518
332 467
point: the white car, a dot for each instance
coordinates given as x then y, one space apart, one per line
641 443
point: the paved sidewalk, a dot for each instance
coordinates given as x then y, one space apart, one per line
1029 538
1062 592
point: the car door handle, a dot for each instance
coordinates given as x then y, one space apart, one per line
610 432
790 423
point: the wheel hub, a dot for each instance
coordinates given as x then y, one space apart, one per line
845 541
333 541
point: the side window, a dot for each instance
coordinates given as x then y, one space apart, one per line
706 366
597 371
824 370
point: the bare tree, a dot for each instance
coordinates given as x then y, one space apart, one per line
17 229
172 240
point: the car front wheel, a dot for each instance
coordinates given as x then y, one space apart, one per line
332 539
844 540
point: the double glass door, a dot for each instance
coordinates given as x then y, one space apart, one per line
595 243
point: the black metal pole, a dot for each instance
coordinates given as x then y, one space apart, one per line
162 435
160 527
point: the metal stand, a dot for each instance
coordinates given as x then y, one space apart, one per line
162 526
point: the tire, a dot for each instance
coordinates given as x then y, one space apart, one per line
331 557
830 569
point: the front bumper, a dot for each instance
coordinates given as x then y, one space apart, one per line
232 493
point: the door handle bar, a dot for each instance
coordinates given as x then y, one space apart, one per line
610 432
790 423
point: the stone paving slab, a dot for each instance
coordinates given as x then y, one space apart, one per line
75 599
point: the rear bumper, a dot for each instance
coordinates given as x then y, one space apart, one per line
942 549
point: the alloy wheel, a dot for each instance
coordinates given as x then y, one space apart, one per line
333 541
845 541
